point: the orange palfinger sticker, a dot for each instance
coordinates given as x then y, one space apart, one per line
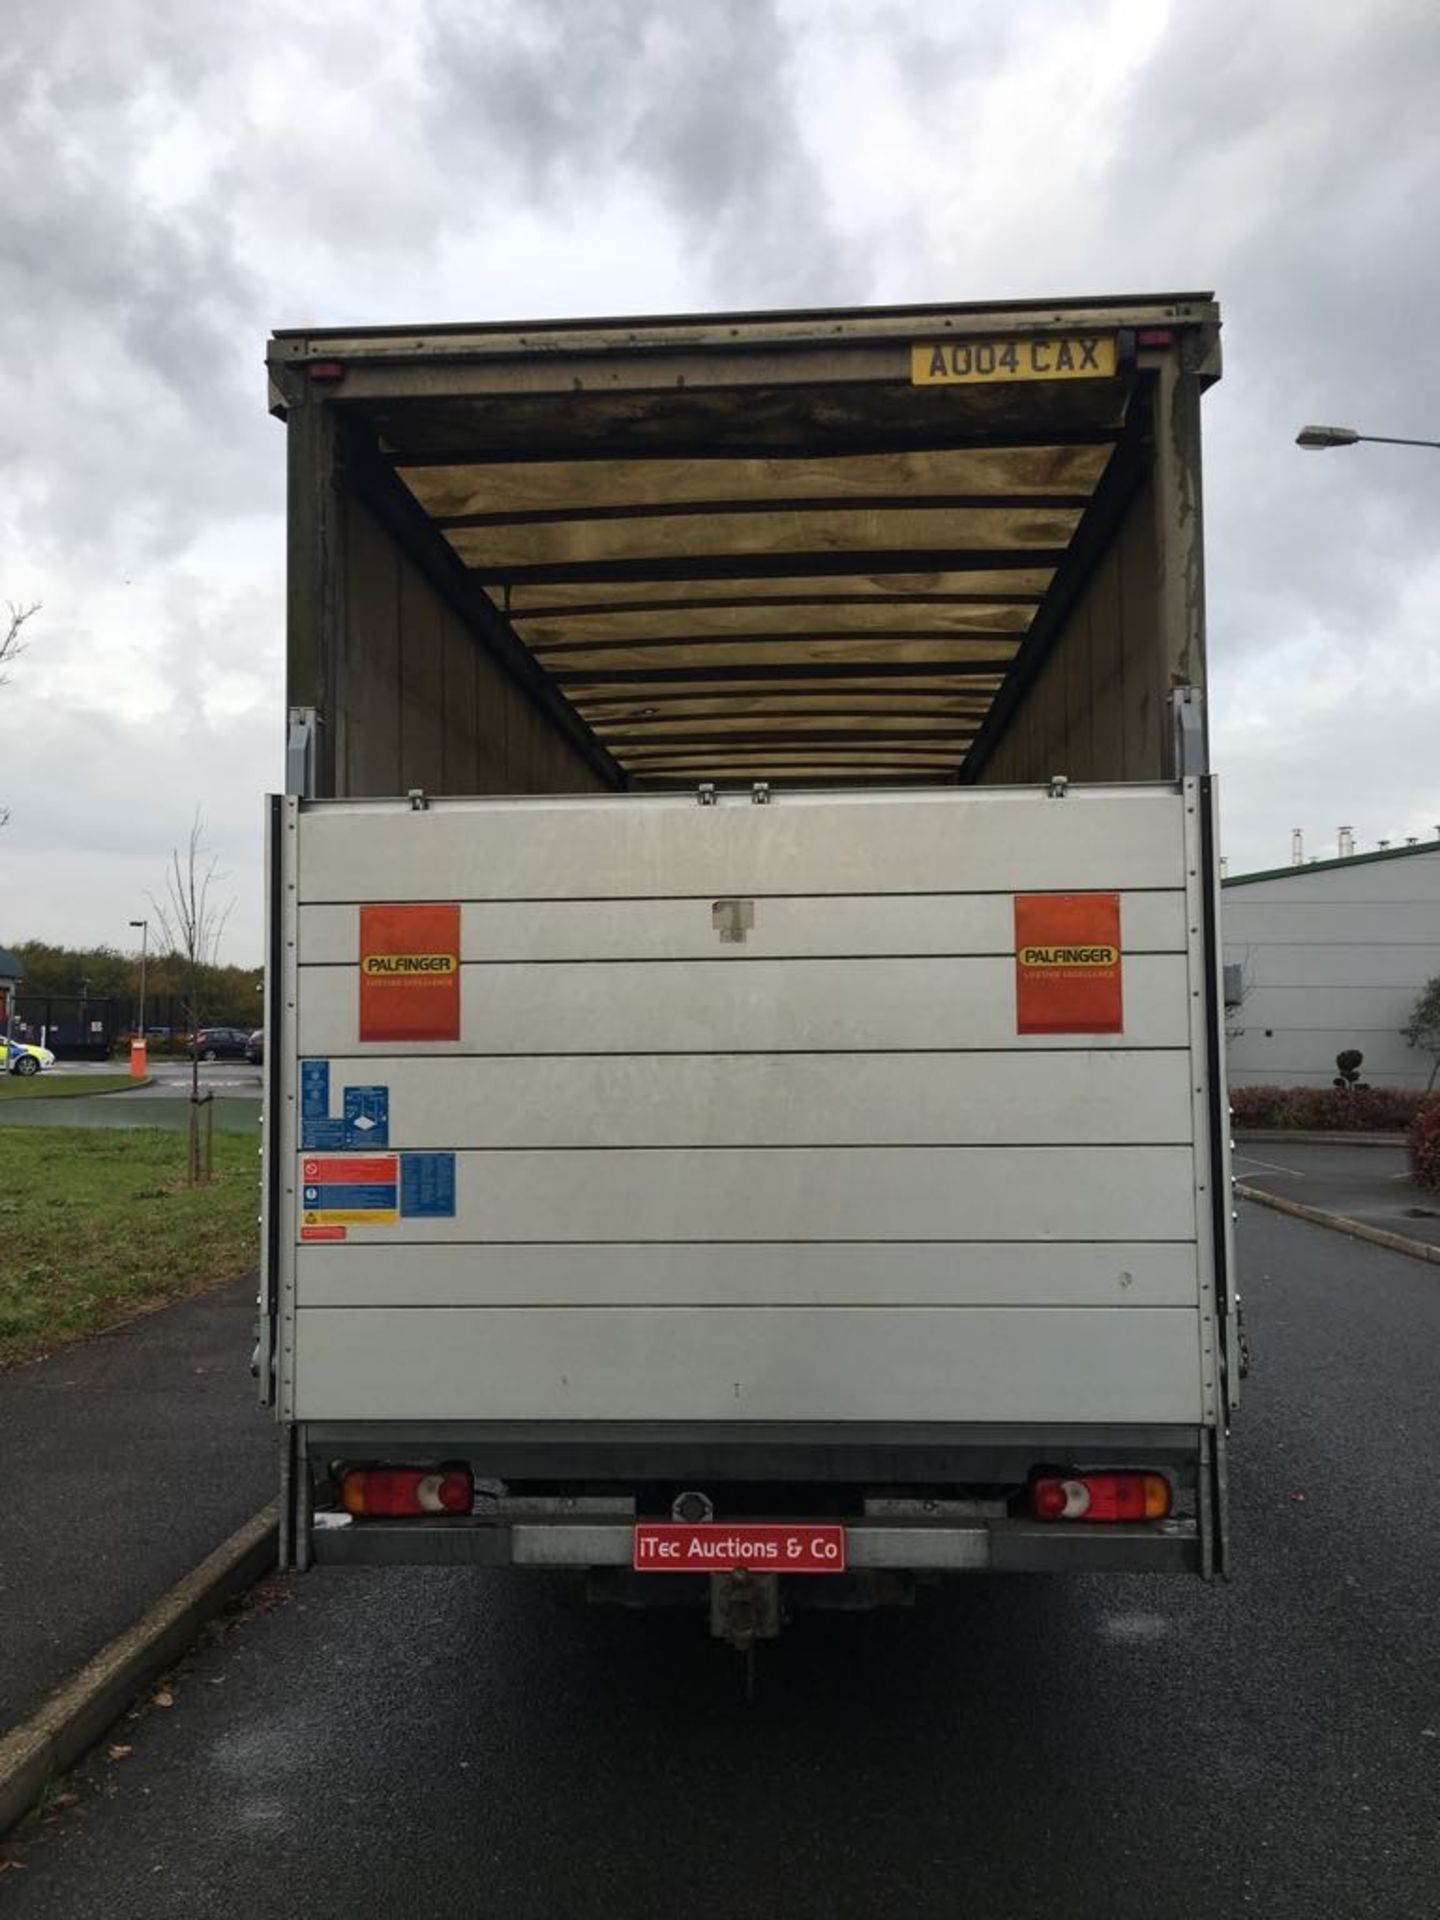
1068 963
410 972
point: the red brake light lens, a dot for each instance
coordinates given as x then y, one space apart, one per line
392 1491
1100 1496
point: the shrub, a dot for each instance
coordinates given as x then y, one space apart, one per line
1327 1109
1422 1029
1425 1145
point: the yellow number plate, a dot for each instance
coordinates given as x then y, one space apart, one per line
969 363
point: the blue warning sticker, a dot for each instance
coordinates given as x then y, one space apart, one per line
427 1186
364 1120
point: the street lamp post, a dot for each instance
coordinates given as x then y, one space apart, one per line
1317 439
137 1040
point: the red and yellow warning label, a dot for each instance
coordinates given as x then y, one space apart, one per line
410 972
1067 963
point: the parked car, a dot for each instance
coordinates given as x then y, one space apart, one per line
255 1048
23 1058
221 1043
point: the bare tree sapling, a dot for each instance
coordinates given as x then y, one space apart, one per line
191 921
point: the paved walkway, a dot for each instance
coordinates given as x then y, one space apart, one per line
1371 1184
126 1461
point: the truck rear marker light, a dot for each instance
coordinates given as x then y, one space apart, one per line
324 372
1155 337
393 1491
1100 1496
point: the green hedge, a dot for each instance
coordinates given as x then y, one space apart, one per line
1425 1145
1329 1109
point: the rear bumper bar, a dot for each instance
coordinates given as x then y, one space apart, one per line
998 1546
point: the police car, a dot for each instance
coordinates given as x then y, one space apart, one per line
23 1058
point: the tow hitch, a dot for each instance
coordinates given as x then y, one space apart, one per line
744 1608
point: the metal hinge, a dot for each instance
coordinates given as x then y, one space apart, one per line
760 793
705 793
1059 786
1187 718
300 752
419 803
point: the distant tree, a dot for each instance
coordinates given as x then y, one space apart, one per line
230 995
1422 1029
192 921
12 645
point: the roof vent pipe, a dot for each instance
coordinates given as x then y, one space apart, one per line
1347 842
1297 847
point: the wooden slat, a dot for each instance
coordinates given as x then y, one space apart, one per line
1019 585
791 616
597 512
799 744
790 763
554 653
781 653
839 564
832 529
819 703
715 760
541 486
659 680
768 729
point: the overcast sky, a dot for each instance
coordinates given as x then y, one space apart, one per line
178 178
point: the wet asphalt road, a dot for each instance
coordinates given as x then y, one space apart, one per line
235 1086
1362 1180
436 1745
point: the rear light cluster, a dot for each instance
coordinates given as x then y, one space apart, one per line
1100 1496
407 1490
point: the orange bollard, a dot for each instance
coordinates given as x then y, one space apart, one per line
137 1059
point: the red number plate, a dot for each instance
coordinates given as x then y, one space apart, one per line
720 1547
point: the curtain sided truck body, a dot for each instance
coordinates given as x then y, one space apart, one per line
762 1190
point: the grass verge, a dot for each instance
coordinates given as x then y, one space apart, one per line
97 1225
43 1086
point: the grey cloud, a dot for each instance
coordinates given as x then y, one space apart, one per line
1286 154
1291 157
124 401
698 103
933 50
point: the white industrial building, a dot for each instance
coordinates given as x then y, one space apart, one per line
1327 956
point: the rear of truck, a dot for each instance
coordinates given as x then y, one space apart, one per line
746 1112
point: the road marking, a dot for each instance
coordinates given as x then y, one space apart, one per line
1271 1166
1132 1628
